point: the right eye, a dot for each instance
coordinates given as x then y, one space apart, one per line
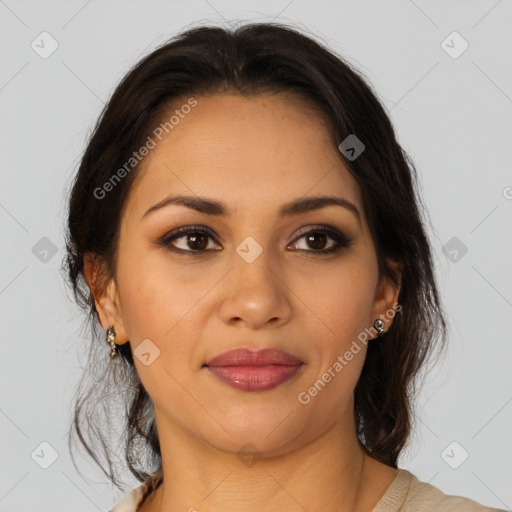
195 239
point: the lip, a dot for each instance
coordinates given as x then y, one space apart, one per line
246 357
248 370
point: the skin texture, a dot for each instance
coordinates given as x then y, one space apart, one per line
253 154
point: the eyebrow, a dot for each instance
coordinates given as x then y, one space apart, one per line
216 208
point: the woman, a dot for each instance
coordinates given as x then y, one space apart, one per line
246 231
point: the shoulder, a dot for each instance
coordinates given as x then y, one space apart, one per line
131 501
408 494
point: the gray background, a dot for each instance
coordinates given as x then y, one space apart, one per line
453 115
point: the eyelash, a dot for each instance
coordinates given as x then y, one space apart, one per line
339 238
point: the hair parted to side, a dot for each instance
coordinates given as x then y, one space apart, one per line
253 59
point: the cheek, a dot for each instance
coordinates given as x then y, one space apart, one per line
155 294
144 302
339 304
339 308
163 302
156 307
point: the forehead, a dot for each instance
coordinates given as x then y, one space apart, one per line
260 150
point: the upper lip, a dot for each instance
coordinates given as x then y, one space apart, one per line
246 357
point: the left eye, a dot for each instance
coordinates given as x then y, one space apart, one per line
197 239
317 238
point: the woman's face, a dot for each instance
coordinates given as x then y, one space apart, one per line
258 279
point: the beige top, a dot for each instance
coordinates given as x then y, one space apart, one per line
405 494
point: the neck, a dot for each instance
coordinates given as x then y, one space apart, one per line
330 473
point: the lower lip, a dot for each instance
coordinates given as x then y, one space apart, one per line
254 378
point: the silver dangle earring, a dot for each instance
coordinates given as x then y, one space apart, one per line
111 336
379 325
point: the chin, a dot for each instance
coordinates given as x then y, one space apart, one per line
267 435
252 446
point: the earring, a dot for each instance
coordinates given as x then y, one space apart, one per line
379 325
111 336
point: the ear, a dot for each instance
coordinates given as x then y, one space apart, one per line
106 298
385 304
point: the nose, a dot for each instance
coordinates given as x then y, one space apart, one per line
255 294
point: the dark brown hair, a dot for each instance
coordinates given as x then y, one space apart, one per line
253 59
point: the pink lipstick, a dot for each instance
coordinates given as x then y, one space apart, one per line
254 371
